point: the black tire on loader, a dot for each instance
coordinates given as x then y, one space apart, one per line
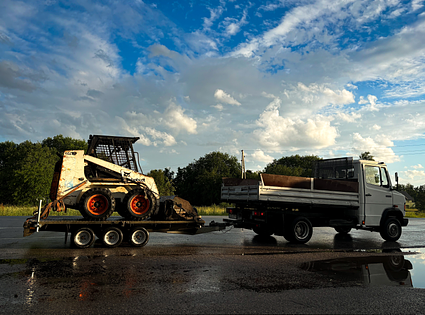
97 204
139 204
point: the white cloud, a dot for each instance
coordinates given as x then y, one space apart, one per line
350 117
277 131
260 156
222 96
218 107
419 166
380 147
175 119
413 175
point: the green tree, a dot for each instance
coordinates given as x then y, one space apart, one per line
28 168
294 165
61 144
200 181
366 156
419 197
8 161
163 182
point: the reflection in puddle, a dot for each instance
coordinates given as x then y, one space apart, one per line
368 271
418 272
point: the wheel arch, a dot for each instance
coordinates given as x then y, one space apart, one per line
391 213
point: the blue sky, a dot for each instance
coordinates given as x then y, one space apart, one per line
273 78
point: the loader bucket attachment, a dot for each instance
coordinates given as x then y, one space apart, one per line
176 208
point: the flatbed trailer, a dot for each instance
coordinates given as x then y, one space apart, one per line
114 231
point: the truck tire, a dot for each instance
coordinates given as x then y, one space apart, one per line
97 204
82 238
343 230
299 231
138 237
390 230
112 237
139 204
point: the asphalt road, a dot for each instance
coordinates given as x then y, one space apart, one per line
231 271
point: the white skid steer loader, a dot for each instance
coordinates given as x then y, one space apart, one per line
107 179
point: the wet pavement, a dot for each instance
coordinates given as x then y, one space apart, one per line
231 271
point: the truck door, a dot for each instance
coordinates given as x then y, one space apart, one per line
378 195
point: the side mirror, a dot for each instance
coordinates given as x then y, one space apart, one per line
396 179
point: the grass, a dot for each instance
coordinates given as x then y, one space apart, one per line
204 210
28 211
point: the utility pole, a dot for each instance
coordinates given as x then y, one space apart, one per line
243 166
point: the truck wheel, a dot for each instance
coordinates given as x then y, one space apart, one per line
343 230
139 204
83 238
112 237
138 237
97 204
263 231
300 231
391 230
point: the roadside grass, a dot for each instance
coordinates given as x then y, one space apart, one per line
413 213
28 211
203 210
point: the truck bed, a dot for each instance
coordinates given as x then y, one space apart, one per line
292 190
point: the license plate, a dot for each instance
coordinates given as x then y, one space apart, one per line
233 216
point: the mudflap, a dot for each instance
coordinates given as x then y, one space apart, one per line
175 208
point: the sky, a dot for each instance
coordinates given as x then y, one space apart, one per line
272 78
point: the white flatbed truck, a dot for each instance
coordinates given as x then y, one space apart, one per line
343 193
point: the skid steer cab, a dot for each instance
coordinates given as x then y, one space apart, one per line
107 179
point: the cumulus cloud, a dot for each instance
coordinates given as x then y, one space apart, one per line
222 96
380 147
277 131
260 156
175 119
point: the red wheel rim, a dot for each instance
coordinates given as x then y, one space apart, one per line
97 204
139 204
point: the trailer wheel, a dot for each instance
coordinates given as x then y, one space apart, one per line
391 230
300 231
83 238
138 237
139 204
112 237
343 230
97 204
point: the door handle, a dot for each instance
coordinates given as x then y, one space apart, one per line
368 195
389 196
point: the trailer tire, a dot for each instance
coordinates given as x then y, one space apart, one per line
343 229
138 204
391 230
299 231
112 237
97 204
138 237
82 238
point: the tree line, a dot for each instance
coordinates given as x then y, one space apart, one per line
26 171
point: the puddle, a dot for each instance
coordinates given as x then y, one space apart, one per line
396 270
418 271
